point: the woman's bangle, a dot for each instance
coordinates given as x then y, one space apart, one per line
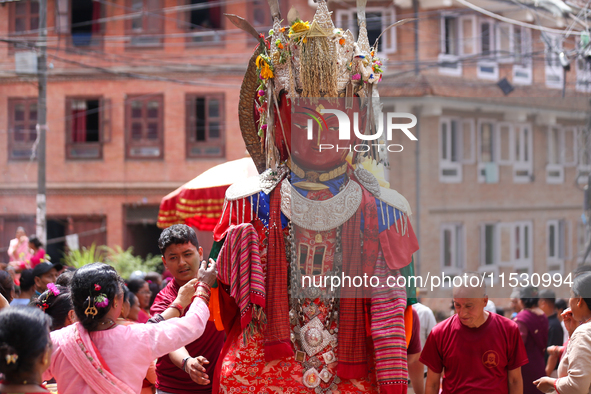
203 297
178 307
204 285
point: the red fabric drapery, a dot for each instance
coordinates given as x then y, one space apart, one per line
78 125
200 202
96 15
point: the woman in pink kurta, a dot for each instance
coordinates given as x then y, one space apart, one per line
98 356
18 250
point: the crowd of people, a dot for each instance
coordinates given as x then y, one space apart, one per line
89 331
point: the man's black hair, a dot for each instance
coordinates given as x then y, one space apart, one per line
549 296
24 335
177 234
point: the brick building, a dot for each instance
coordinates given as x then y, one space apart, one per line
142 97
117 143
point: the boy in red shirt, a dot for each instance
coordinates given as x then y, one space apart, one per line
188 369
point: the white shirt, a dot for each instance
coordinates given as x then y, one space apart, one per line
427 320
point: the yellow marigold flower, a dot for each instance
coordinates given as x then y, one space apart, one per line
299 27
266 71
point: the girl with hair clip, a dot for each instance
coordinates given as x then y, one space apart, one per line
25 350
98 356
57 303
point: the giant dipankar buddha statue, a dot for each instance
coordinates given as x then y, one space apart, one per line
314 216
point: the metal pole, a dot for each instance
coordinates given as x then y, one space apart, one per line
41 220
417 227
415 5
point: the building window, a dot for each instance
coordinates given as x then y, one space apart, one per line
487 68
452 248
554 71
205 126
86 29
458 38
450 163
22 128
450 37
584 155
521 247
523 148
583 68
456 147
86 123
202 18
488 166
522 61
506 244
488 244
377 19
144 127
147 25
25 17
583 237
449 56
556 231
505 143
562 152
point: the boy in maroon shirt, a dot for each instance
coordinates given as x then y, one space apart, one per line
188 369
481 352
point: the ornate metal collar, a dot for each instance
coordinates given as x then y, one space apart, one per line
316 176
320 215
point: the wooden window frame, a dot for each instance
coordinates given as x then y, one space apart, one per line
130 144
190 128
96 40
12 143
202 37
388 41
104 128
12 23
147 29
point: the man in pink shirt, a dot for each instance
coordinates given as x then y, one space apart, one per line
190 368
481 352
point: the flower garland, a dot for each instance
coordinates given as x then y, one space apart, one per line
265 70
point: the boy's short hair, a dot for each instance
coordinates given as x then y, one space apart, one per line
177 234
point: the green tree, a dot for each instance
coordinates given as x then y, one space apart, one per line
83 256
126 263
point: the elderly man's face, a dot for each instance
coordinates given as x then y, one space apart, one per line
469 307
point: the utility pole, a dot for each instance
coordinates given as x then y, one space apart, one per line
586 140
41 220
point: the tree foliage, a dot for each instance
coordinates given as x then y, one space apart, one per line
124 261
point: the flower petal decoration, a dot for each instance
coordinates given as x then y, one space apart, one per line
101 301
97 287
52 288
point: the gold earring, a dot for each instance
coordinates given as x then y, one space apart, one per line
115 304
45 359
